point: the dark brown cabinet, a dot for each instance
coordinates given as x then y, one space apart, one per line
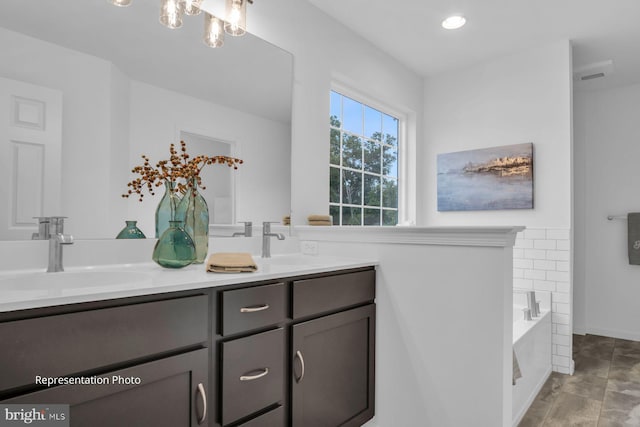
296 352
333 369
169 392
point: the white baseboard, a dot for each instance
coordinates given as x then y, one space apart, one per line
613 333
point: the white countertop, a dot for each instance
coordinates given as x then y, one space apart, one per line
27 289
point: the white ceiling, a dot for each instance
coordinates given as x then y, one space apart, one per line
247 73
410 31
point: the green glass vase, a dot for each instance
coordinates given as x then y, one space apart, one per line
166 210
194 212
131 231
174 248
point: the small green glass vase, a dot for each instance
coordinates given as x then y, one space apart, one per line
175 248
166 209
131 231
194 212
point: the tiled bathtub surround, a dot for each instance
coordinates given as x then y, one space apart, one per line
541 261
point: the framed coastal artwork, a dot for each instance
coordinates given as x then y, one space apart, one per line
486 179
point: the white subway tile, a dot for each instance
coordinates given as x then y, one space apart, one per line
558 234
563 245
563 361
544 285
554 349
558 255
561 339
562 265
524 244
518 273
518 253
540 264
535 254
523 263
535 274
554 328
563 350
535 233
562 308
560 297
523 283
562 329
560 319
544 244
558 276
564 287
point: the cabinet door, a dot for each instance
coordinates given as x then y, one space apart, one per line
171 392
333 369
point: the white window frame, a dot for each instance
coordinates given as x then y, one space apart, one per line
406 180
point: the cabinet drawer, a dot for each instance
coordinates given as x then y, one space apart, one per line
251 308
274 418
252 374
89 340
313 296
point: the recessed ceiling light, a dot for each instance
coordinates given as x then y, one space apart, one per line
453 22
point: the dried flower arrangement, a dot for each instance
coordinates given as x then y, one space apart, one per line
179 166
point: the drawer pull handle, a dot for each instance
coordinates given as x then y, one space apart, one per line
203 396
264 372
299 356
254 308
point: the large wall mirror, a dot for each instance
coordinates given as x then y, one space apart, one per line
87 88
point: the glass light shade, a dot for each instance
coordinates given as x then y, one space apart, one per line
171 12
236 22
192 7
213 31
453 22
121 3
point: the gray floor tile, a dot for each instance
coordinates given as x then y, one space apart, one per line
599 350
622 408
570 410
624 386
552 387
592 366
589 386
536 414
631 363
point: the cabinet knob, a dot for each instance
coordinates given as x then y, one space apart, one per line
203 396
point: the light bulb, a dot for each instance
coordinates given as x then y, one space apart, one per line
121 3
213 31
171 13
192 7
453 22
236 21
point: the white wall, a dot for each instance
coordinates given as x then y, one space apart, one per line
521 98
325 50
262 182
607 135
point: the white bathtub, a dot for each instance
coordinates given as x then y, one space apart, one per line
532 344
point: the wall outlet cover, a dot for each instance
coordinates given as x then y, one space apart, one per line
308 247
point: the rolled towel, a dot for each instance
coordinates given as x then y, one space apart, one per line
286 220
633 232
319 218
231 262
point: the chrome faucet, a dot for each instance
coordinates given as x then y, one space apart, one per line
43 228
248 230
266 238
532 304
57 239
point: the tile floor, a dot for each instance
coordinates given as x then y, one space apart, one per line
603 392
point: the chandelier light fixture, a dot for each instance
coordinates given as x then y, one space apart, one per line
172 12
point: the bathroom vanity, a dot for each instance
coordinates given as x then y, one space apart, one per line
282 347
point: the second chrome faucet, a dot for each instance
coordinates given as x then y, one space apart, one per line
266 238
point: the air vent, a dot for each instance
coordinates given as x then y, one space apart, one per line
593 71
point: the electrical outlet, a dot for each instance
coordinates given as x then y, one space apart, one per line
309 247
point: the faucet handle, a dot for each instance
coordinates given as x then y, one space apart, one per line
43 228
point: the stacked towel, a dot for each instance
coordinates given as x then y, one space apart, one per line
320 220
633 232
231 262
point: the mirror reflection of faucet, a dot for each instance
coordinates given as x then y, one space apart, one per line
248 230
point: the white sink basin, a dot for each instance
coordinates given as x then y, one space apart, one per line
73 282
